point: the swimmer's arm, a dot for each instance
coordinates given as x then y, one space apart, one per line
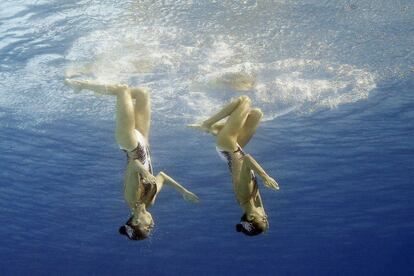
253 165
187 195
146 175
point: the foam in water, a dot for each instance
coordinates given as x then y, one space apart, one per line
190 74
192 79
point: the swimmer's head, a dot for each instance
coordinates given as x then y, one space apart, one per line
252 225
138 227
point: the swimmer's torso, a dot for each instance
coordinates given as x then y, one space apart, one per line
142 154
245 185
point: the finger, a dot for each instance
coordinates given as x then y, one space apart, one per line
270 185
196 199
275 186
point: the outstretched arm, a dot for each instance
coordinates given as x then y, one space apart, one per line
187 195
253 165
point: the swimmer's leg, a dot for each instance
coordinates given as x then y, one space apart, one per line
142 110
216 128
125 115
227 137
249 127
125 120
223 113
248 130
162 178
104 89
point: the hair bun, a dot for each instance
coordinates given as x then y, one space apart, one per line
122 230
239 227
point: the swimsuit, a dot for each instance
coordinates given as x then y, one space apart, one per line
142 154
238 153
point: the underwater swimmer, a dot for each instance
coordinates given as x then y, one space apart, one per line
132 128
232 136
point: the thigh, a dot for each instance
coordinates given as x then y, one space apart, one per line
143 120
142 111
125 122
227 137
250 126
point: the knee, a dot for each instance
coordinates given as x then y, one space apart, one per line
245 100
256 113
125 139
225 141
121 91
140 94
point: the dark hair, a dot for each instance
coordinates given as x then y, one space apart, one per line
133 232
254 227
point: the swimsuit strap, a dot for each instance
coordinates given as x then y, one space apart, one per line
239 149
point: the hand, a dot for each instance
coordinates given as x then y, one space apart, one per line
147 177
271 183
202 127
190 197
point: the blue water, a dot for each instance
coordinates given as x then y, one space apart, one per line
334 79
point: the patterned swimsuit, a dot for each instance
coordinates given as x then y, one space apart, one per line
142 154
239 153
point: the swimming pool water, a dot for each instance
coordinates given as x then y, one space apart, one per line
334 79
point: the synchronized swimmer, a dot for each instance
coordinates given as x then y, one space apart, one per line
232 136
141 187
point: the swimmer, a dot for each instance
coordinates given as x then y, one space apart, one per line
232 136
141 187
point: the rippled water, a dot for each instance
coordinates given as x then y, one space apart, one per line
334 79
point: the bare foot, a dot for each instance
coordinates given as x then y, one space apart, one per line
191 197
200 126
99 89
75 84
